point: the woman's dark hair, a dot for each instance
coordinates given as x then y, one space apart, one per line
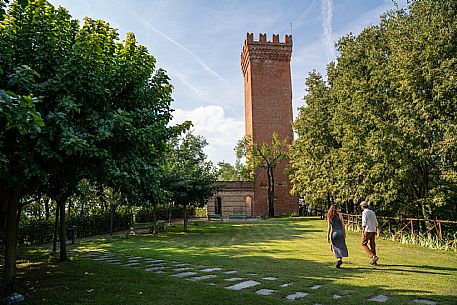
332 212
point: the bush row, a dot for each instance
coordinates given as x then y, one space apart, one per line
36 231
163 212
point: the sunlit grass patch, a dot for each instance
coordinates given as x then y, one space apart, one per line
294 250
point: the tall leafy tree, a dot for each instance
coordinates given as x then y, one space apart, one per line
388 113
312 165
423 69
191 178
102 114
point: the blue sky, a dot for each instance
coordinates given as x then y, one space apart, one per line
198 43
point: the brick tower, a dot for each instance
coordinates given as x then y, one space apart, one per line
268 109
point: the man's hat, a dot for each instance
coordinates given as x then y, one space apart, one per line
364 204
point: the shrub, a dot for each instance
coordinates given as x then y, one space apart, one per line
146 214
36 231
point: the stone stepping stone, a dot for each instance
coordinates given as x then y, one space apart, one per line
211 269
379 298
151 260
132 265
426 302
135 257
156 264
265 291
336 296
270 278
253 274
234 279
183 269
133 261
154 268
160 271
286 285
184 274
243 285
113 260
182 265
297 296
231 272
315 287
201 278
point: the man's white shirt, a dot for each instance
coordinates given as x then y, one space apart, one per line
369 221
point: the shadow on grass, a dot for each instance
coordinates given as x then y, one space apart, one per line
412 269
83 281
421 268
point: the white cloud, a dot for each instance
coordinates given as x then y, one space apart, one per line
221 132
327 15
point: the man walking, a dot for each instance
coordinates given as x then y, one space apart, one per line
369 231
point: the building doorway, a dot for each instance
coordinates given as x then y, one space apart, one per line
218 206
248 201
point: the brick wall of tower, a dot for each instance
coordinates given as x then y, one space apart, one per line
268 109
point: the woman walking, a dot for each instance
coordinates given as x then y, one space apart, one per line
337 234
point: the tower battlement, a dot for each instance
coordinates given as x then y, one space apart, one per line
263 49
263 39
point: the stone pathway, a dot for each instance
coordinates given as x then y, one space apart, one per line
379 298
221 277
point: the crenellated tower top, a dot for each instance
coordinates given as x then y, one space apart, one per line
262 49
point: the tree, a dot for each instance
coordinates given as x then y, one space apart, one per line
383 126
312 166
266 157
226 172
104 108
229 172
425 103
190 179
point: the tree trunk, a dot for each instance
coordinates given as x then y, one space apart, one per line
63 229
46 208
271 198
169 215
56 229
81 213
10 198
19 213
154 219
185 218
273 191
69 208
111 219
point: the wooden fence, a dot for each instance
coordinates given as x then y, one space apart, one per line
398 226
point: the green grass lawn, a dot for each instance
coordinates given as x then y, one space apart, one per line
294 250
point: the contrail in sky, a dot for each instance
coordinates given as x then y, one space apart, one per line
197 58
327 15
